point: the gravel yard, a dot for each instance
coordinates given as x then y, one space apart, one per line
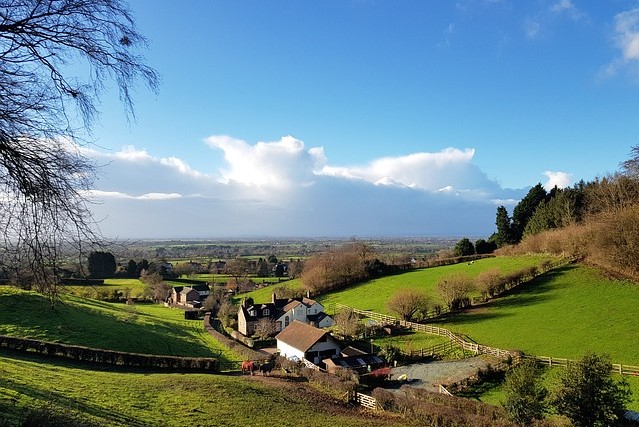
430 375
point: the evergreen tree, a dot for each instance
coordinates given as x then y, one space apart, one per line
525 210
101 265
464 247
504 235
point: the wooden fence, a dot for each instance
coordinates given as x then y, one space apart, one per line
618 368
310 364
435 330
363 400
443 390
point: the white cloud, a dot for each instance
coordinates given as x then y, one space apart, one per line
277 164
559 179
627 34
283 188
450 167
568 8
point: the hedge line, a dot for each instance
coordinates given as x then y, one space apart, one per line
109 357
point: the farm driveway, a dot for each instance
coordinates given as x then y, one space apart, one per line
430 375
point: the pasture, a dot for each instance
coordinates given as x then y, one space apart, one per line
139 328
110 398
373 294
563 313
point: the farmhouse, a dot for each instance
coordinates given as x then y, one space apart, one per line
303 341
189 296
283 312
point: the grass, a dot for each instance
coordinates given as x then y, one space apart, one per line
110 398
141 328
135 286
373 295
564 313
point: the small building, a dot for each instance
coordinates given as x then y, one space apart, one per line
303 341
189 296
360 363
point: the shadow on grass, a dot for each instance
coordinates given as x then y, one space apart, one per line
74 323
536 291
62 402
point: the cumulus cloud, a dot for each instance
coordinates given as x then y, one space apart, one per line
449 168
276 164
283 188
558 179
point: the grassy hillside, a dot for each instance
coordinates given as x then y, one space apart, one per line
142 328
109 398
372 295
563 314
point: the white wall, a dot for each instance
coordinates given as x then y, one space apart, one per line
288 351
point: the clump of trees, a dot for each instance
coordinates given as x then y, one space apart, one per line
587 393
341 267
593 221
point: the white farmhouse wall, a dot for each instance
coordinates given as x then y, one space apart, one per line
288 351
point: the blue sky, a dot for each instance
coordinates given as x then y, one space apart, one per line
366 118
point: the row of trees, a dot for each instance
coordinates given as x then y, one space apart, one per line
342 266
595 221
454 291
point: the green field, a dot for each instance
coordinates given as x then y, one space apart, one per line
134 286
140 328
110 398
561 314
372 295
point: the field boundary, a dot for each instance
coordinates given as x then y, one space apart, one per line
618 368
109 357
435 330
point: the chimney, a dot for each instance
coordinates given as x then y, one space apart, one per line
244 302
274 298
308 294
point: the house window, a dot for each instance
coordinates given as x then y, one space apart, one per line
266 312
253 313
286 321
